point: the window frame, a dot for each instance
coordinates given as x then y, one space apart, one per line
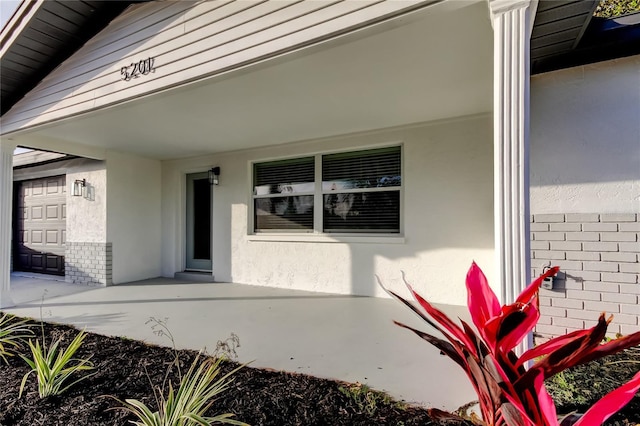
317 234
282 195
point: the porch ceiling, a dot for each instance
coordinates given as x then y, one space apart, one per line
430 65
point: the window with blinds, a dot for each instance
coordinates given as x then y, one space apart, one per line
283 195
358 191
361 191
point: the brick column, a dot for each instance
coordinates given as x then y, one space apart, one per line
89 263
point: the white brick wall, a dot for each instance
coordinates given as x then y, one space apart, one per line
599 260
89 263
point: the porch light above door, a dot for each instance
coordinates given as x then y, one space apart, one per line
78 187
214 176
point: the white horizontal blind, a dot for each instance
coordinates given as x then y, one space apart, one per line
275 205
361 191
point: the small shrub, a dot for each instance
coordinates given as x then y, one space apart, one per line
187 405
615 8
227 348
563 389
11 334
366 399
53 367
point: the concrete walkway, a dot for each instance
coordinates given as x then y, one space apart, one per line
333 336
28 287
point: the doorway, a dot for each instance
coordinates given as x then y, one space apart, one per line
198 223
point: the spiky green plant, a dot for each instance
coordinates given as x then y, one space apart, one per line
11 334
186 405
55 368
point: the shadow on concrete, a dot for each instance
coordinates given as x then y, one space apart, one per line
343 337
80 321
188 299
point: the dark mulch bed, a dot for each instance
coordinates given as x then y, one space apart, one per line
125 369
576 389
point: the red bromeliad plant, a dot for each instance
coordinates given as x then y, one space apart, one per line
508 392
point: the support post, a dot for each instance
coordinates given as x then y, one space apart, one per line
512 23
6 201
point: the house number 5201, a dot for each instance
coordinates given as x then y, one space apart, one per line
136 69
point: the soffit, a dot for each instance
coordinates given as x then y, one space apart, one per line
36 157
566 34
393 74
55 30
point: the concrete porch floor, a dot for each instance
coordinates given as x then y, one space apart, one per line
333 336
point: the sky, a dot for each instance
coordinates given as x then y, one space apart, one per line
7 7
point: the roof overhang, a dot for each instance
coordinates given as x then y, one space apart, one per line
566 34
389 74
41 34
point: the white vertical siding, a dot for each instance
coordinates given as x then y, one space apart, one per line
188 41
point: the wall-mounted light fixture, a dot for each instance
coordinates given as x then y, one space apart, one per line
214 176
549 282
78 187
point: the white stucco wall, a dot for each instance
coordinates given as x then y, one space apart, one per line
448 217
133 216
585 139
86 217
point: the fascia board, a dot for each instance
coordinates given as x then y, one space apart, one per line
18 23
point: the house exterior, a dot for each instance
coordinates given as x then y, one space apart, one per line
349 142
585 193
46 214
